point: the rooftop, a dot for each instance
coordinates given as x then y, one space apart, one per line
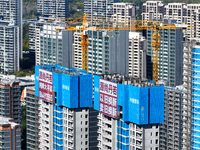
6 121
64 70
129 80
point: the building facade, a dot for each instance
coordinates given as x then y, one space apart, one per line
77 51
193 19
183 14
152 10
137 55
64 117
56 46
10 134
177 11
108 52
171 129
191 96
53 8
123 13
170 55
99 9
9 48
187 95
119 128
32 123
11 11
34 41
10 99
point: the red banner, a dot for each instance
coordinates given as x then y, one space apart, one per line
46 85
108 98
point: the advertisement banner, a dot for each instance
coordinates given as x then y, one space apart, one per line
108 98
46 85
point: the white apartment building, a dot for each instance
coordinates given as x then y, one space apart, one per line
137 55
193 19
140 137
77 52
108 52
99 47
75 127
11 11
56 45
53 8
188 70
9 48
123 13
99 9
34 41
171 129
10 135
45 125
118 132
176 11
185 14
152 10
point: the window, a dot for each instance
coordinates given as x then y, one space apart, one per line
156 133
156 141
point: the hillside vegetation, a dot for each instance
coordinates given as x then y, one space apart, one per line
29 9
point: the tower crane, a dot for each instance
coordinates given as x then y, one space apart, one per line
132 25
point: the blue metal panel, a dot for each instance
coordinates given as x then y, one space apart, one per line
66 87
120 94
85 90
196 50
69 91
196 127
57 87
74 92
196 133
195 139
195 56
125 107
196 121
195 68
197 104
37 81
156 107
196 62
197 92
144 105
96 92
138 105
196 74
196 80
132 105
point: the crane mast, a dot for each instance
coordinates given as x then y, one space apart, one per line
84 45
155 48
